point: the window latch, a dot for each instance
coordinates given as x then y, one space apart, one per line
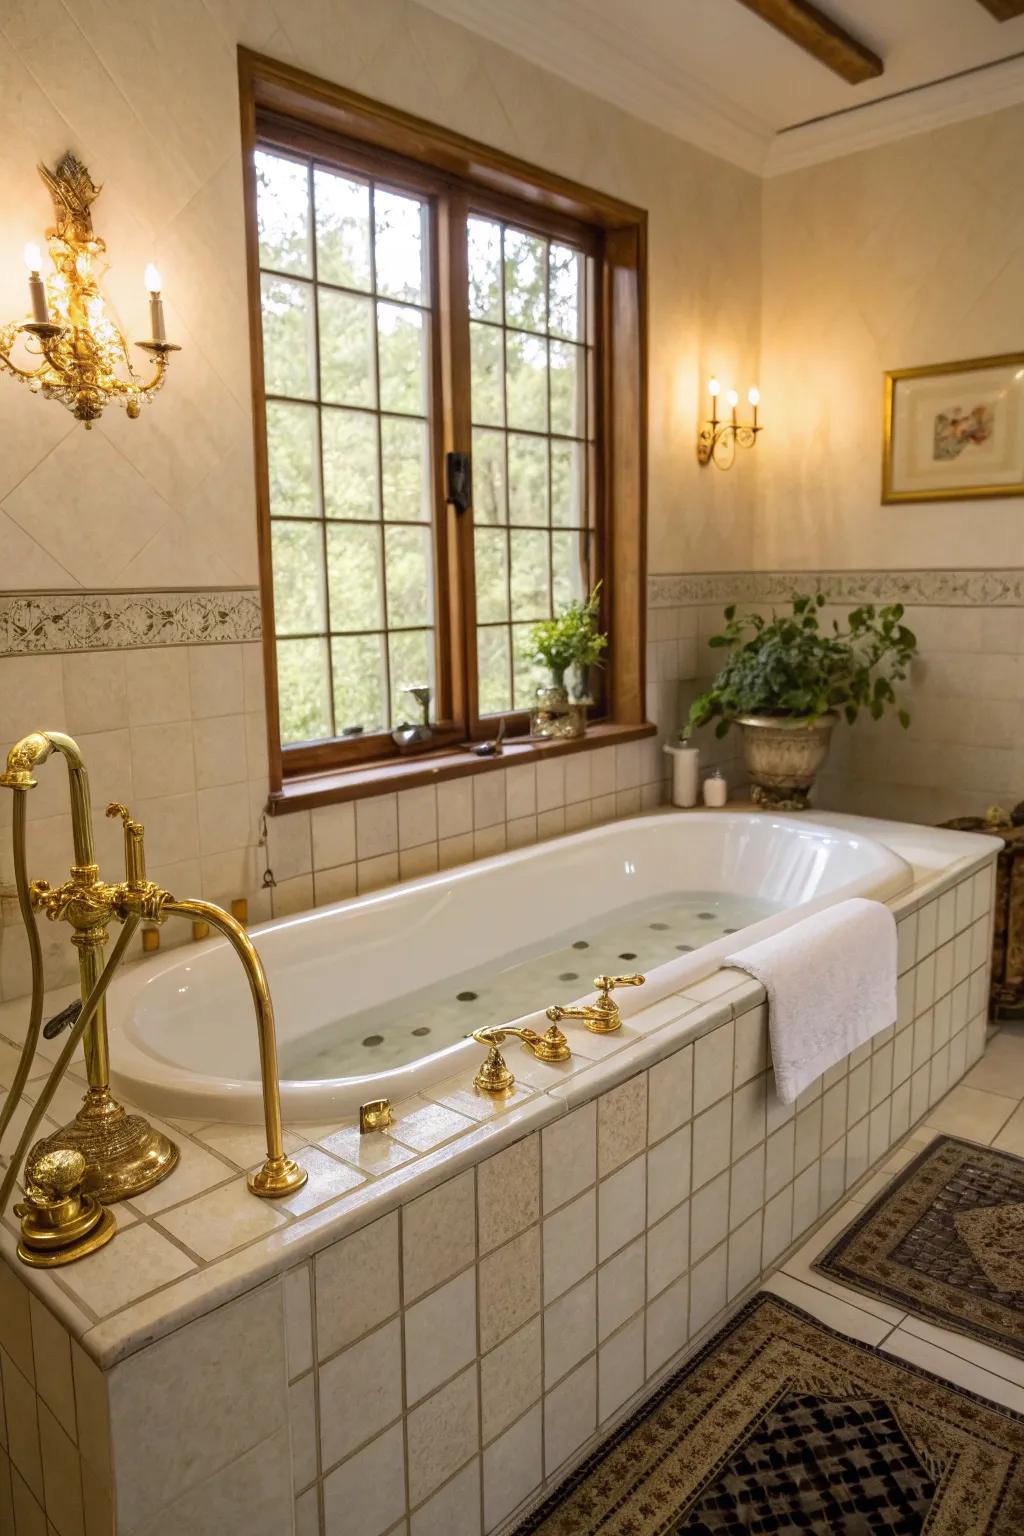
458 481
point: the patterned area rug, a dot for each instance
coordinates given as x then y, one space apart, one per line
945 1240
781 1425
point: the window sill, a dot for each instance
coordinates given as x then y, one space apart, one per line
304 792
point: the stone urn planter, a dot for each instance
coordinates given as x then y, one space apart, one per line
782 755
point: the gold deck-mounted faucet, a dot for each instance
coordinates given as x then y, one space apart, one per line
602 1017
123 1154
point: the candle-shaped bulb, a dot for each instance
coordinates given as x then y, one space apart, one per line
713 388
36 288
733 399
156 304
754 397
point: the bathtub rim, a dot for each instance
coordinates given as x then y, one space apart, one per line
173 1090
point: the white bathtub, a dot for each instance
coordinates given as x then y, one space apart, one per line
353 979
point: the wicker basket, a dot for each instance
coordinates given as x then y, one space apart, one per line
1007 994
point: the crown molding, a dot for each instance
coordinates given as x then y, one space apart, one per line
594 57
977 94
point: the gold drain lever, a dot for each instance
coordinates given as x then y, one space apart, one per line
59 1222
494 1076
602 1017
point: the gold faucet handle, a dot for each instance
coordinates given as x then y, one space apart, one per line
494 1075
134 845
605 984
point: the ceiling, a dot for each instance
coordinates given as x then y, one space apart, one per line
712 72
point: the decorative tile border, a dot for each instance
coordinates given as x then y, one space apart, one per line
946 589
39 623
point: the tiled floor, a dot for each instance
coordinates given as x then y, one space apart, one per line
988 1107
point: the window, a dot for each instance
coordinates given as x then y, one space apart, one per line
415 295
347 342
531 406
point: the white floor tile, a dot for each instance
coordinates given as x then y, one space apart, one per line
834 1311
971 1113
987 1356
941 1362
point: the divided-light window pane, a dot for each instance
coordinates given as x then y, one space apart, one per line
347 338
532 368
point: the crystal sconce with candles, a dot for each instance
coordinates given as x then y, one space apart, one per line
717 440
80 354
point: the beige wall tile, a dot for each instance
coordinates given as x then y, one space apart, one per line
438 1234
442 1434
360 1392
440 1335
417 816
367 1492
376 826
570 1329
357 1284
510 1379
509 1281
621 1287
334 835
620 1368
570 1244
455 1507
512 1468
454 807
192 1403
621 1206
621 1124
508 1193
51 1350
570 1415
569 1155
157 683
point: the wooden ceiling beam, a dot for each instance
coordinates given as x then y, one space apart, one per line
1003 10
824 39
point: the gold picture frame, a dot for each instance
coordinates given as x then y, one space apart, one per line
954 443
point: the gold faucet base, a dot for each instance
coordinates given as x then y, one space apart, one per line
59 1222
278 1176
123 1153
53 1258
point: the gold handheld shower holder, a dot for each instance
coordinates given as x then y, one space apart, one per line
123 1154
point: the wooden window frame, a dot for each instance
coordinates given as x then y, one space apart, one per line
312 116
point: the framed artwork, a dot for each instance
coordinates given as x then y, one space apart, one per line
954 431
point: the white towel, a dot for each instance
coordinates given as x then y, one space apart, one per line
831 984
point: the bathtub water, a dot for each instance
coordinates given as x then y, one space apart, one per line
400 1031
356 984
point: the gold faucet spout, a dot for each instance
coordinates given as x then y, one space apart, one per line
279 1175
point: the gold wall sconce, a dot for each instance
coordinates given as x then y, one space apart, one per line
717 439
80 354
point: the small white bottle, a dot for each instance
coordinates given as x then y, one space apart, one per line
716 790
685 770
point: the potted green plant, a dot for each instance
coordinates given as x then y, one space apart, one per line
571 640
787 681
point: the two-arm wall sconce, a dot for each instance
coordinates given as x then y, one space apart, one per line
83 356
717 440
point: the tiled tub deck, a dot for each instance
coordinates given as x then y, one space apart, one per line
434 1368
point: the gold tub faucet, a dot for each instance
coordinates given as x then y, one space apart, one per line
123 1154
494 1076
602 1017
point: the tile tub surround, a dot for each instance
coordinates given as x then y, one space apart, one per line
450 1335
178 732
